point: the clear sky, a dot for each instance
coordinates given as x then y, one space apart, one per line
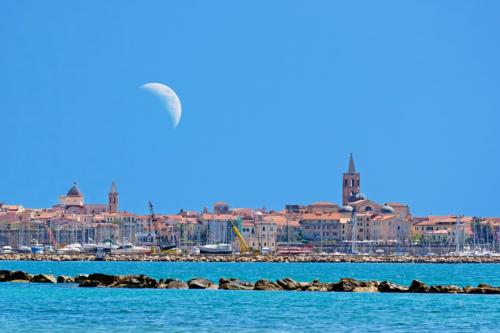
275 96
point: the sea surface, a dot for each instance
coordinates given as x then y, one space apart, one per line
67 308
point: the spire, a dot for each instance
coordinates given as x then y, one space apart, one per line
352 168
113 188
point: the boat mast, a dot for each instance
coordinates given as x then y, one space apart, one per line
151 238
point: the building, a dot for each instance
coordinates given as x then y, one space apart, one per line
318 227
74 202
442 229
351 184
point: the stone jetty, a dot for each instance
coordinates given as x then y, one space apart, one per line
259 258
285 284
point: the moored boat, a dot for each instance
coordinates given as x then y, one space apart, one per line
131 249
216 249
37 248
7 249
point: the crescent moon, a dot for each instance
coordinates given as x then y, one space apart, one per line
168 97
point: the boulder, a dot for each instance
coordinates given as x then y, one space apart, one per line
65 279
482 288
134 281
80 278
4 275
353 285
44 278
389 287
235 284
90 284
446 290
14 276
200 283
304 285
288 284
418 287
175 284
104 279
316 285
264 284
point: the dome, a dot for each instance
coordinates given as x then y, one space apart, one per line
387 209
346 209
356 197
74 191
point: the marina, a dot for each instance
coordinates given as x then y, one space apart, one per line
158 310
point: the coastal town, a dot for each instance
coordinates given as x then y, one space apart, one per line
359 225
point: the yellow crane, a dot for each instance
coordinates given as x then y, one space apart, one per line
243 245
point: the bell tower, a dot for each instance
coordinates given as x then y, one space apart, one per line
113 199
350 182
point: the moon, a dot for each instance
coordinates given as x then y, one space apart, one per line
168 97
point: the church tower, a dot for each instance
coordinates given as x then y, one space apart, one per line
113 199
350 182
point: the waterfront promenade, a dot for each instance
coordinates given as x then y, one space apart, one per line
257 258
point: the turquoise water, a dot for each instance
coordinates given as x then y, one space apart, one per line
63 308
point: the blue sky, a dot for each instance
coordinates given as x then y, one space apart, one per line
275 96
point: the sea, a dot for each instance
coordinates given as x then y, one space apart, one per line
30 307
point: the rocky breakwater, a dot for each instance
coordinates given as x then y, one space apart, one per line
163 257
284 284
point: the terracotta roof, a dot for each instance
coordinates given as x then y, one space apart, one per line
324 217
218 217
450 219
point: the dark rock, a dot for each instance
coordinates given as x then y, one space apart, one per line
200 283
352 285
65 279
13 276
316 285
104 279
119 281
80 278
446 289
482 288
4 275
132 281
264 284
418 287
288 284
235 284
175 284
389 287
90 284
484 285
44 278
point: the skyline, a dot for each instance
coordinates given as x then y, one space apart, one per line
271 108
